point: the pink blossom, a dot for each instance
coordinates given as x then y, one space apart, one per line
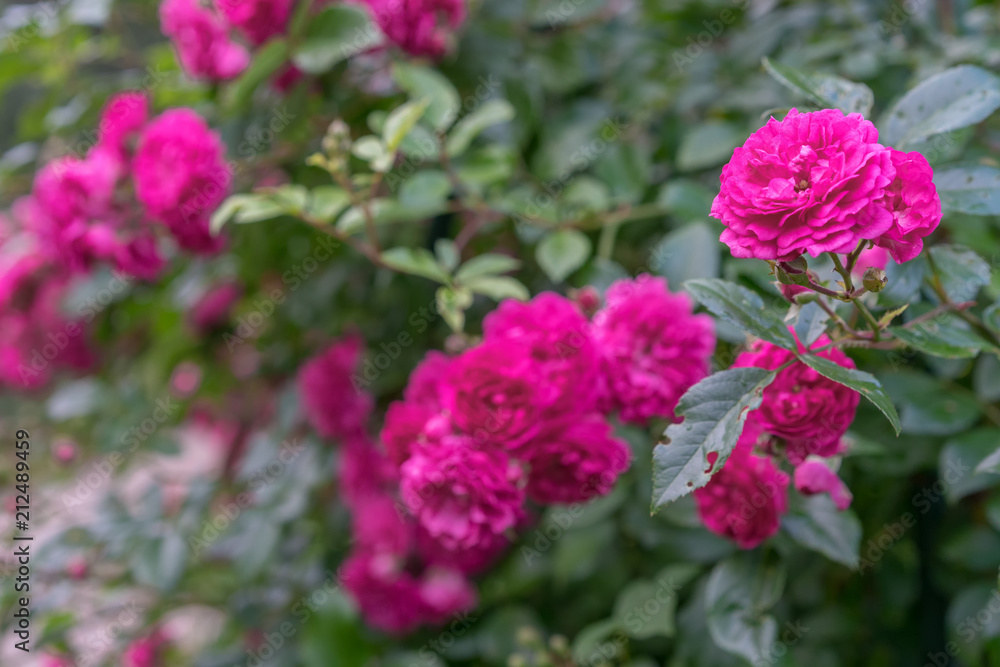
186 379
77 568
333 404
462 496
559 342
810 183
181 176
807 410
427 380
575 460
409 425
378 525
202 41
50 660
419 27
145 652
259 20
64 450
122 119
365 472
214 306
389 597
444 593
914 203
653 348
472 560
744 501
495 393
813 476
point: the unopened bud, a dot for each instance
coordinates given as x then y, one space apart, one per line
338 138
874 279
797 265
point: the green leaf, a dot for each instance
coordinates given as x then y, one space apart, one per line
326 202
425 189
369 148
383 211
486 265
335 34
401 120
292 196
973 189
820 526
810 323
425 83
961 271
945 336
267 60
498 287
826 90
708 145
490 113
451 303
688 253
226 211
447 253
739 592
714 412
741 307
562 252
646 609
686 199
260 207
929 408
864 383
415 261
965 464
952 99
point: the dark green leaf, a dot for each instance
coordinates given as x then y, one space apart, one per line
743 308
971 189
335 34
562 252
825 90
864 383
961 271
714 412
820 526
688 253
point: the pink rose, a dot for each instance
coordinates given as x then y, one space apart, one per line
810 183
746 499
427 380
463 497
814 476
214 306
332 403
445 593
181 176
202 41
805 409
575 460
653 348
388 596
145 652
495 393
915 206
410 425
259 20
122 119
559 342
365 472
419 27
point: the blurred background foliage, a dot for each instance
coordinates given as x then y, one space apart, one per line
681 84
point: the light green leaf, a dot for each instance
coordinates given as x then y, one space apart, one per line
335 34
688 253
826 90
499 287
485 265
226 211
416 261
447 253
326 202
864 383
743 308
820 526
258 208
425 83
973 189
708 145
945 336
954 98
425 189
714 412
401 120
267 60
810 323
369 148
491 112
562 252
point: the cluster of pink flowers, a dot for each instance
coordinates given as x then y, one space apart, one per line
99 208
36 339
522 416
820 182
212 38
803 417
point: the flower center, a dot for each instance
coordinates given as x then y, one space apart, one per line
803 184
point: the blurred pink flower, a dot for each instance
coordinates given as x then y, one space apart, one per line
419 27
201 38
214 306
331 401
122 119
181 176
145 652
259 20
805 409
744 501
64 450
575 460
814 476
653 348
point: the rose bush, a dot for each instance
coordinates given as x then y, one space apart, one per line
431 332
